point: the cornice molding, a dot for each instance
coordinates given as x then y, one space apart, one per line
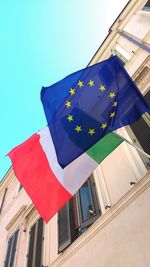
16 218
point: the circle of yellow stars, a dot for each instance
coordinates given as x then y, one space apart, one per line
102 88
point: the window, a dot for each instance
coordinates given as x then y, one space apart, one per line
3 200
147 6
19 188
121 53
78 214
35 245
140 133
11 250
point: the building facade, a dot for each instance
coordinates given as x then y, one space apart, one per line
107 222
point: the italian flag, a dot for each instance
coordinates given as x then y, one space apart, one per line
47 184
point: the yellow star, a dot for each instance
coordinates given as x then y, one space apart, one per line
113 114
104 125
91 83
112 94
102 88
91 131
115 104
78 128
72 91
70 118
80 84
68 104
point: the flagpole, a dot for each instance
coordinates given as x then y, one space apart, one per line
139 149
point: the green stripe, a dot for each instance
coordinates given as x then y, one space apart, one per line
104 147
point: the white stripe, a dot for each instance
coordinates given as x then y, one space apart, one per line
76 173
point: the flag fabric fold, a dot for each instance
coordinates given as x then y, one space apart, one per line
87 105
47 184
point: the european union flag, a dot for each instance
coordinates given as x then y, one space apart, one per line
88 104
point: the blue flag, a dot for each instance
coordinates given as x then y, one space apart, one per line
88 104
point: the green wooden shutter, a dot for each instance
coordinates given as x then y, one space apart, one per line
31 246
35 245
39 244
11 250
8 252
64 231
140 133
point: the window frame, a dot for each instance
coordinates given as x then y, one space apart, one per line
85 223
3 200
74 221
121 53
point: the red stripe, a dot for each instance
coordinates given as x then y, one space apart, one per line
32 169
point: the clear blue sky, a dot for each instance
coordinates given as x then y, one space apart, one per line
41 42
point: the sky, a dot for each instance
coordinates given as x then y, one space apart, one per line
42 41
